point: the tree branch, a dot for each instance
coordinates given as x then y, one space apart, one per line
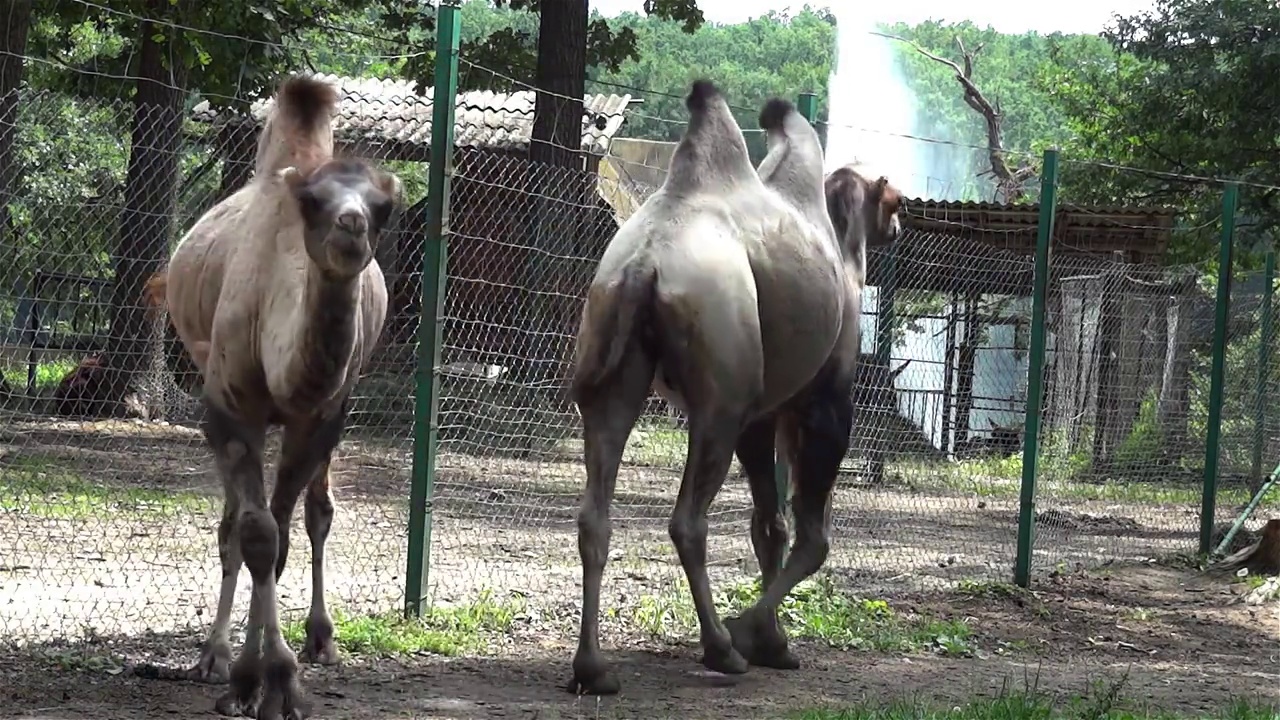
1008 180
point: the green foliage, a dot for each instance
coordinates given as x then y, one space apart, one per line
1239 397
819 610
1103 704
451 630
1145 442
1178 94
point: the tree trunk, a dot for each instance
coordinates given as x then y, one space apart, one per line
1176 378
238 143
561 82
149 206
558 194
14 38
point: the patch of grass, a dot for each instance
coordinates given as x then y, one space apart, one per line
445 630
656 445
36 486
817 610
1035 707
48 373
1002 478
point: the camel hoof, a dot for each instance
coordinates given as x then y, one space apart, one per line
282 697
726 660
592 677
761 641
320 648
234 704
214 666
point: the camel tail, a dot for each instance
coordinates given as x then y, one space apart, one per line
298 131
712 155
611 322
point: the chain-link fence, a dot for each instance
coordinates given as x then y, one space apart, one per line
107 523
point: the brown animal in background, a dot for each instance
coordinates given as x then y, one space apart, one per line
277 298
80 392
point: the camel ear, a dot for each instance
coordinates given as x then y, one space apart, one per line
390 184
291 176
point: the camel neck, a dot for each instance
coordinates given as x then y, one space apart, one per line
326 336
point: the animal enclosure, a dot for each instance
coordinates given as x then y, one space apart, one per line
107 517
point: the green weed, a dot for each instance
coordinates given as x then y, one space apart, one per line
1035 707
37 487
817 610
443 630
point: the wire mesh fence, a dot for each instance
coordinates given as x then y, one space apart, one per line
107 523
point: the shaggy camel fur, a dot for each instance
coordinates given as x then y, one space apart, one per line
277 299
730 291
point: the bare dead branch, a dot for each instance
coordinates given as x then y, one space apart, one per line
1009 182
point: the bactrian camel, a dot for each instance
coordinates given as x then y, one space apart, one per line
276 296
734 294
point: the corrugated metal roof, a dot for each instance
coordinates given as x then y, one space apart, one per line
1028 213
392 110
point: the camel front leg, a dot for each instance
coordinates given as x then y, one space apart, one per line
305 457
265 662
320 647
819 444
766 644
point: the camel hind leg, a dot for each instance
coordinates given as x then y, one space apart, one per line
818 445
712 435
609 410
767 645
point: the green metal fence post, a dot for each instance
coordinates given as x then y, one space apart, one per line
1264 363
434 273
1209 497
1035 368
808 107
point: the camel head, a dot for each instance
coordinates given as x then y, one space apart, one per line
345 205
863 212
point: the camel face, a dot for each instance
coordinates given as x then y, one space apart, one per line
345 206
864 213
887 226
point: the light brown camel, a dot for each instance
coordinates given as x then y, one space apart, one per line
731 291
276 297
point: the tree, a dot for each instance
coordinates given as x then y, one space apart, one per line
149 196
1010 181
1182 93
226 48
13 48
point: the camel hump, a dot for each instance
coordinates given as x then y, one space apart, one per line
774 114
304 102
701 95
793 167
298 131
712 155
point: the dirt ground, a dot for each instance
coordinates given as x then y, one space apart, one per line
499 524
1172 636
138 580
